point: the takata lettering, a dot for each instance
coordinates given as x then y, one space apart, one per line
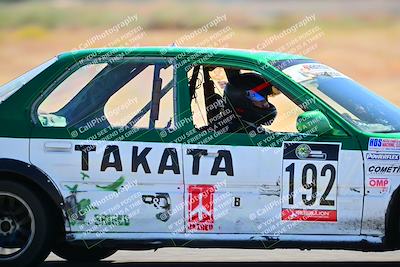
218 166
107 163
374 156
85 155
169 160
384 169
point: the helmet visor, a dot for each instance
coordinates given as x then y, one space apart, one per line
257 99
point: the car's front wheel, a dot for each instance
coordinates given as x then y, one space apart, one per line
25 232
81 253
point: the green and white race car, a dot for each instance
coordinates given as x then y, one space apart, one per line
143 148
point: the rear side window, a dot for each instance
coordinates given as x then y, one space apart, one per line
112 94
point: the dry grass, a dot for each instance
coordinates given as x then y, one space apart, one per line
362 45
370 56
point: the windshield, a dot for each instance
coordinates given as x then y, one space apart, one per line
10 88
362 108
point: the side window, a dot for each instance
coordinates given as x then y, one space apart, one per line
200 110
113 94
238 101
287 114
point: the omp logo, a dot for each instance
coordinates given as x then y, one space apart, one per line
379 182
375 156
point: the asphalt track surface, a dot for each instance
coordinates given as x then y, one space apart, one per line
188 257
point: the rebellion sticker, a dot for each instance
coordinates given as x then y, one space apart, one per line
309 215
201 208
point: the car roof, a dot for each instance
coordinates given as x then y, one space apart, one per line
173 51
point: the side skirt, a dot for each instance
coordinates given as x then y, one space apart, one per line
143 241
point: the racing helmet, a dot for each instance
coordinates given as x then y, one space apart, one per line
247 94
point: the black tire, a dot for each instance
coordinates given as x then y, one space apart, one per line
82 253
23 211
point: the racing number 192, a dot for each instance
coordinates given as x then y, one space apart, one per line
313 185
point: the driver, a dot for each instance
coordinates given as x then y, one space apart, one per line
247 96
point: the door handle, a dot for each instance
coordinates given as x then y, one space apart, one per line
354 189
58 146
270 190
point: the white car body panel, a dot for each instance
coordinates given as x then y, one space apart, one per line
259 187
15 148
379 189
65 168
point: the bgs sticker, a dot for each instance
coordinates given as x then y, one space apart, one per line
309 181
201 208
380 144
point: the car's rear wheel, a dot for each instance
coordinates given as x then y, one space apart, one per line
25 232
82 253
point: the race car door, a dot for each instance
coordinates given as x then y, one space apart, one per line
269 182
97 135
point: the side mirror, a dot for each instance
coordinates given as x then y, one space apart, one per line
313 122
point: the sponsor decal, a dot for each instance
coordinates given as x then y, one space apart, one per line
304 72
381 183
161 201
201 208
296 151
77 209
111 220
303 151
114 187
169 160
386 169
309 181
384 144
383 157
309 215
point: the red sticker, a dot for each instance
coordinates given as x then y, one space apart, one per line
309 215
379 182
201 207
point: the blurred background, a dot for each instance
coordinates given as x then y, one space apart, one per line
361 38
